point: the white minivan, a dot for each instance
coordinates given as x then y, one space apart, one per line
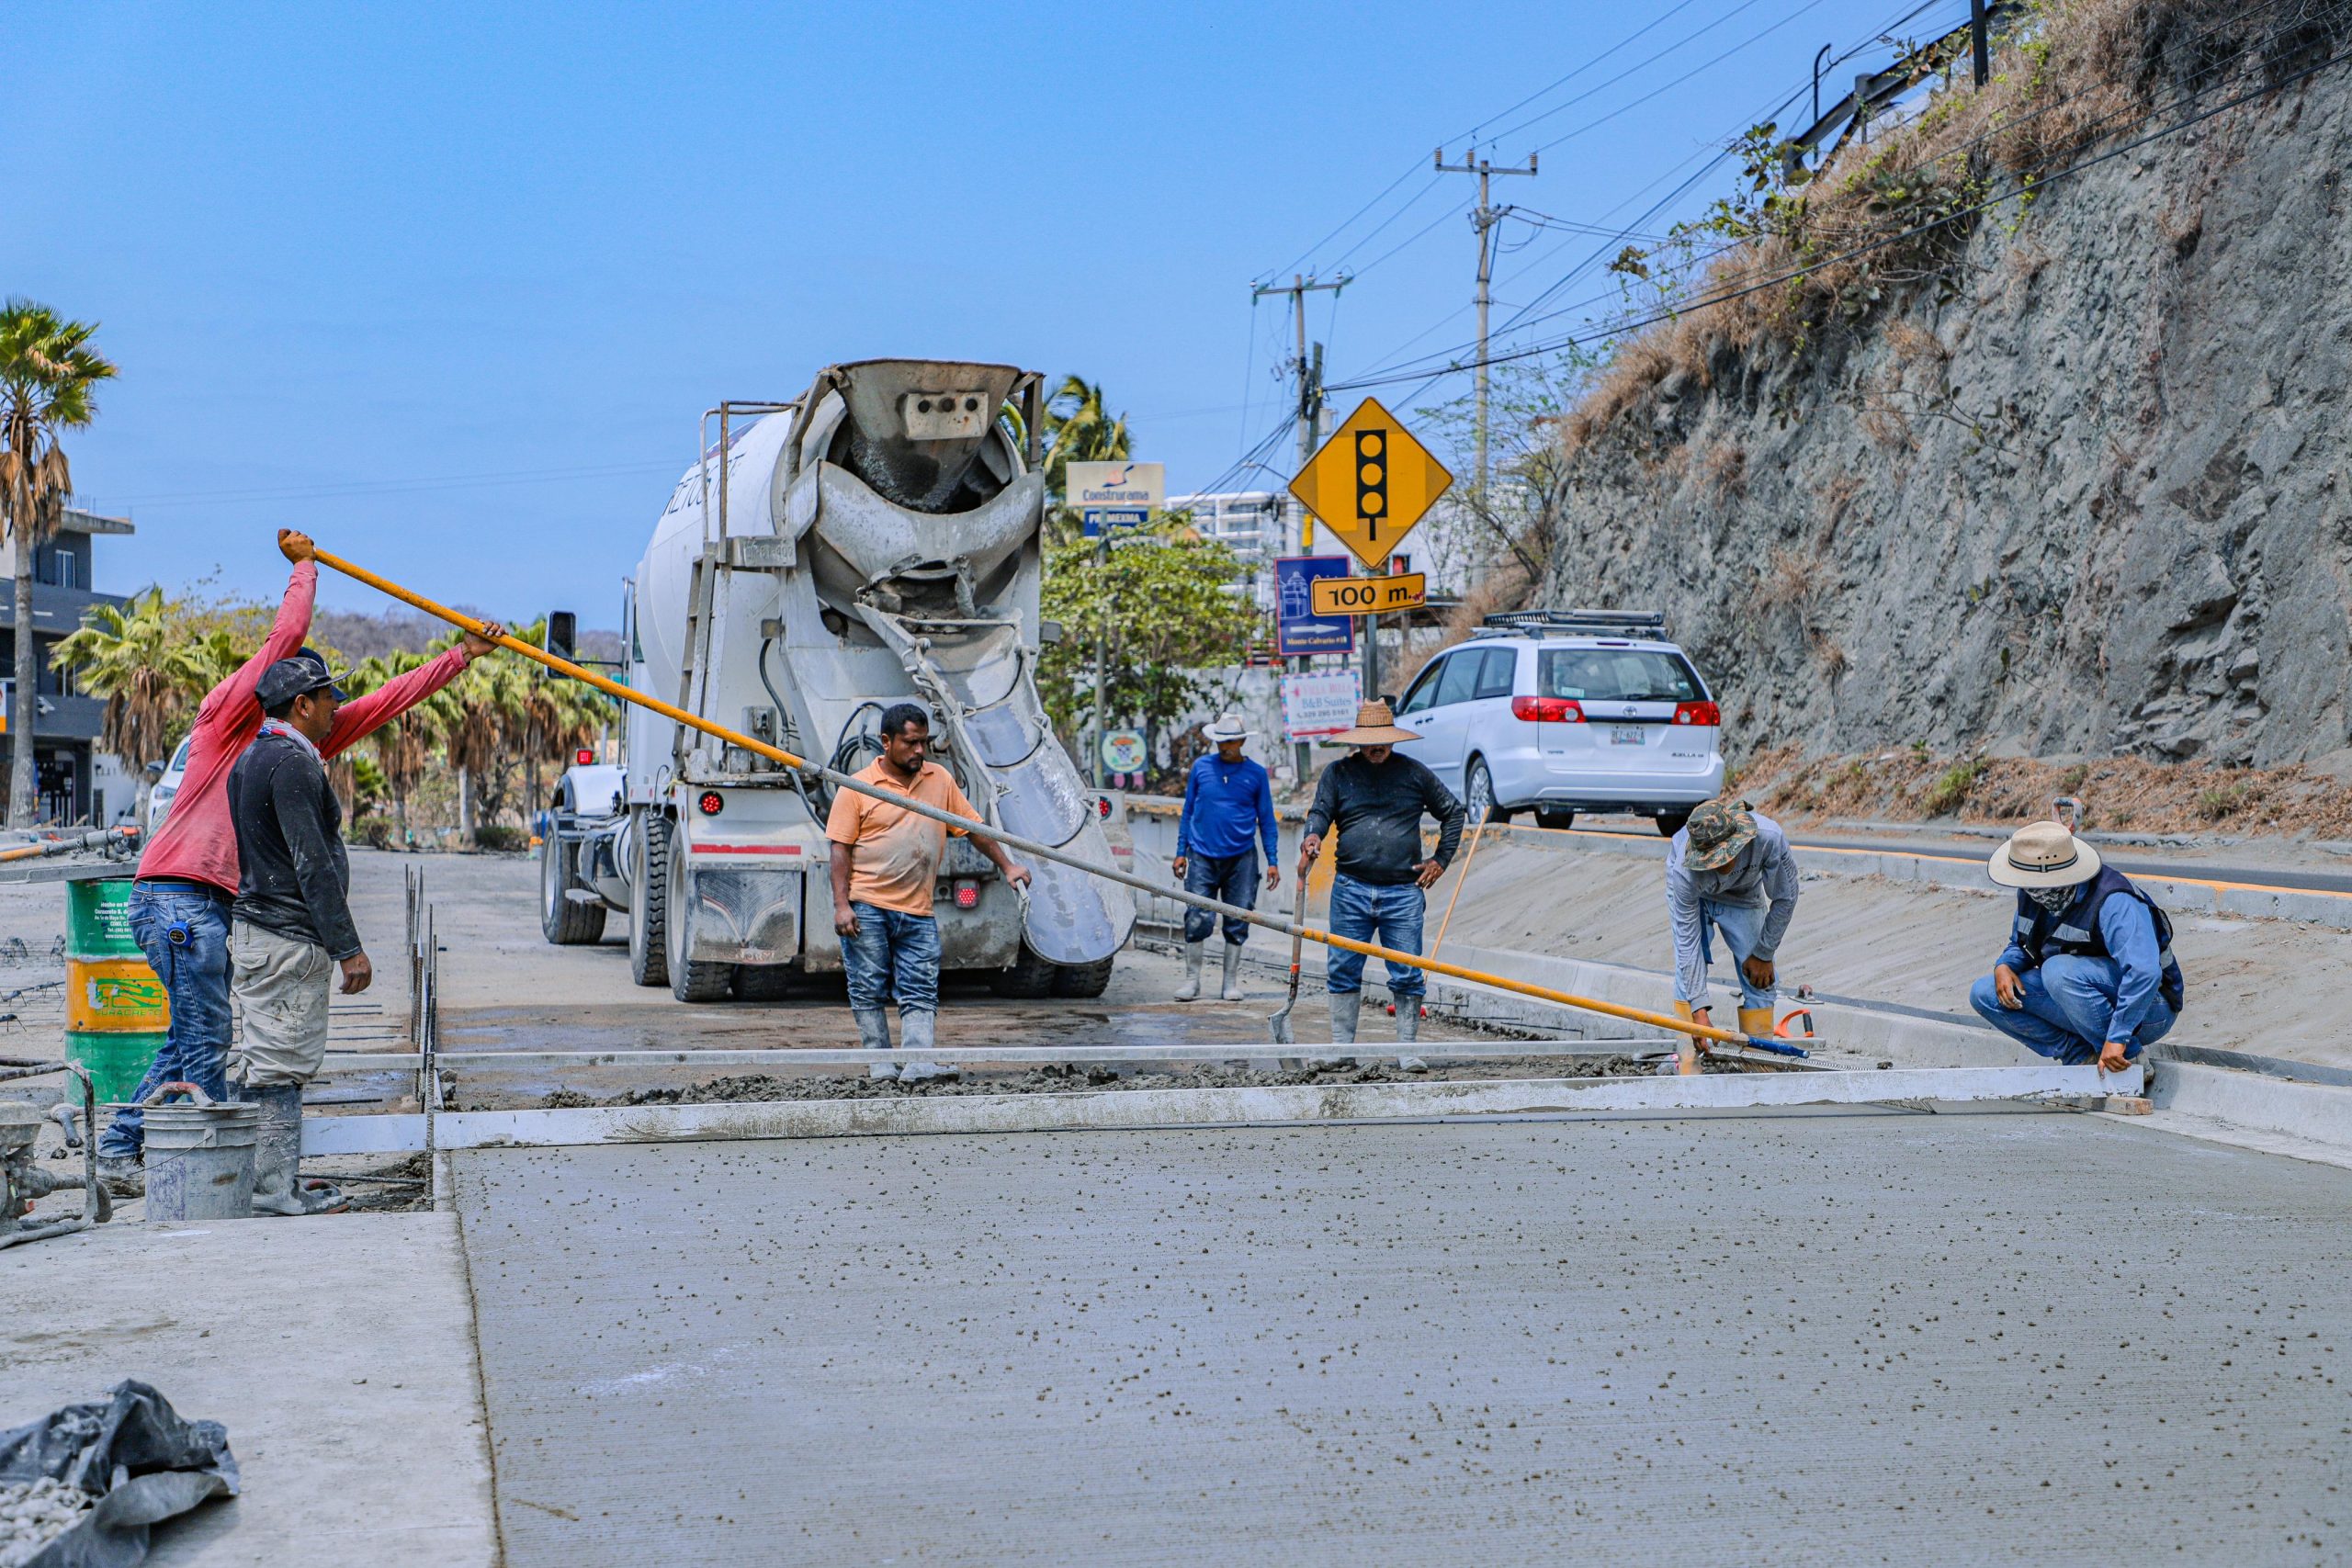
1567 711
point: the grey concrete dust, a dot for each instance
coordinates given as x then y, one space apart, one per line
1814 1337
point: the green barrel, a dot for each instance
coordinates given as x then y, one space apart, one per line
116 1012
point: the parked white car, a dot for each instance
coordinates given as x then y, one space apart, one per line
159 799
1563 712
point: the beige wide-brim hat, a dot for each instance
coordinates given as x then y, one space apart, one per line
1226 727
2043 855
1375 725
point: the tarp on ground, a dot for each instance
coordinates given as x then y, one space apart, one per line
135 1452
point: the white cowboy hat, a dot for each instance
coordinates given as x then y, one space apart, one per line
1227 727
2043 855
1375 725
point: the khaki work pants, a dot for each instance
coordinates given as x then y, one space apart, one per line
281 984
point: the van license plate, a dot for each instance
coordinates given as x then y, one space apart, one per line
1626 735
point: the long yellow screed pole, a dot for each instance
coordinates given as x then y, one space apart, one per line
843 780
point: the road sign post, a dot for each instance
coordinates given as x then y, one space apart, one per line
1108 497
1371 484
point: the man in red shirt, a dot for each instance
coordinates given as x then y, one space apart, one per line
187 874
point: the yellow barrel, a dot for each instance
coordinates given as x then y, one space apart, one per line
115 1012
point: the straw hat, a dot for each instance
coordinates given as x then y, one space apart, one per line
2043 855
1226 727
1375 725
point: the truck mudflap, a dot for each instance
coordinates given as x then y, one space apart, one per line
743 914
977 674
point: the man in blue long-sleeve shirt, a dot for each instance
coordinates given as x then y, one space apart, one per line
2089 973
1228 805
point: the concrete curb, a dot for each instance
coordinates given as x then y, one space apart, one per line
1140 1108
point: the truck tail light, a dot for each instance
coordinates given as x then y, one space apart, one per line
1698 713
967 894
711 803
584 756
1547 710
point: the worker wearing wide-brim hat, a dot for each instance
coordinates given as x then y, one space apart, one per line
1228 808
1376 799
2089 975
1728 870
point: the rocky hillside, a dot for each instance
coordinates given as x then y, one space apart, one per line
2073 483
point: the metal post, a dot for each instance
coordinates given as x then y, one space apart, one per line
1101 650
1979 45
1484 218
1309 372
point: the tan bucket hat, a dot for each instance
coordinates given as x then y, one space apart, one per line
2043 855
1375 725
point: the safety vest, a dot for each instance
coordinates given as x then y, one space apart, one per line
2076 931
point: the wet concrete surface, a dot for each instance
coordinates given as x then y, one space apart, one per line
1816 1337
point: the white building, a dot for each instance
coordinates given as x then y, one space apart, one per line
1257 526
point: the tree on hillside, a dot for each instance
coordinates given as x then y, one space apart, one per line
47 371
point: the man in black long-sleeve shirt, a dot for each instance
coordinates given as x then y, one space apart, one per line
1376 798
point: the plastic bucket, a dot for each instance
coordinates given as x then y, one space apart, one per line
200 1158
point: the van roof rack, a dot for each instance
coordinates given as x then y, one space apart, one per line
1574 623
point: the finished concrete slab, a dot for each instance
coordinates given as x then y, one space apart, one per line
1816 1335
338 1351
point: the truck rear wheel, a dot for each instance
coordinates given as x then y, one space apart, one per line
765 982
649 959
689 981
1030 978
564 920
1082 979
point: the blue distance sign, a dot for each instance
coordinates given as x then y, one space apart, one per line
1299 630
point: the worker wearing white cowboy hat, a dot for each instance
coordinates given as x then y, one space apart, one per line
2089 973
1228 807
1375 798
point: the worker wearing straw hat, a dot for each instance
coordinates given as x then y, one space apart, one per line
1228 807
2089 973
1377 800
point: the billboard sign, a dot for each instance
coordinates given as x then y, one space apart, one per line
1299 631
1115 495
1320 704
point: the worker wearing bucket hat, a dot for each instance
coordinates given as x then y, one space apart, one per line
1376 799
1728 870
1228 808
2089 973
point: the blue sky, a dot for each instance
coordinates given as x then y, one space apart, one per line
449 285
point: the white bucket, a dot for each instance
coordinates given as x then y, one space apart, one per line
199 1159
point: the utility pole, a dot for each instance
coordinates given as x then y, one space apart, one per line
1483 219
1309 372
1979 50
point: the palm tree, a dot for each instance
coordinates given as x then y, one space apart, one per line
1080 428
139 657
47 370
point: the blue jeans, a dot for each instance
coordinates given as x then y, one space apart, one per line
1741 925
1361 909
1229 879
2069 1001
195 972
893 958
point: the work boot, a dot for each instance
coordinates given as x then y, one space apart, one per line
1755 1022
123 1176
874 1035
1345 1006
917 1028
1408 1032
1194 953
279 1186
1232 991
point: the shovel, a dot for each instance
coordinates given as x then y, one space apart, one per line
1280 1023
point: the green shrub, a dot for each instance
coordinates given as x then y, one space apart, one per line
501 839
1952 787
373 832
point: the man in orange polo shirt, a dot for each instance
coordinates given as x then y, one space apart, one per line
884 867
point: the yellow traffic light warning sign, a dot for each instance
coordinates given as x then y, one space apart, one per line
1370 483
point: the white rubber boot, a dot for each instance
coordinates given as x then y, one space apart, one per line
1194 953
1408 1032
1232 991
1345 1006
874 1035
278 1188
916 1029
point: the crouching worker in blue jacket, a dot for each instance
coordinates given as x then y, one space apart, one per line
2089 973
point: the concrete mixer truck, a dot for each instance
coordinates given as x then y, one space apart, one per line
877 539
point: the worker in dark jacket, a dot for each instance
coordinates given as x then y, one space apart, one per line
291 924
2089 973
1377 800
